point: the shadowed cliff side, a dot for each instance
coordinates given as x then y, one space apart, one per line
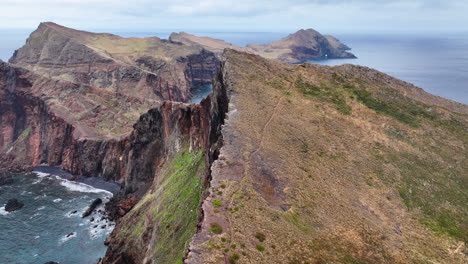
160 226
34 130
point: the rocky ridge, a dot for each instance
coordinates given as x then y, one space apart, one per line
299 47
274 146
140 67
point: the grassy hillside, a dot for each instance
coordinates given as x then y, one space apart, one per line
336 165
161 225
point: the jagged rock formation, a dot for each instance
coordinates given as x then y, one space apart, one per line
159 228
281 164
33 132
139 67
302 46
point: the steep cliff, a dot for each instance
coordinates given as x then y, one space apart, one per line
280 164
159 228
334 165
35 130
139 67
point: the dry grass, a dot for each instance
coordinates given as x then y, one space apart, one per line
327 186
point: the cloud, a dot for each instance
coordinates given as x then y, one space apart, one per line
248 15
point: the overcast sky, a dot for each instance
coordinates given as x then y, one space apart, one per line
241 15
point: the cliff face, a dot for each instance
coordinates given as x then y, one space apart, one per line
144 68
333 165
281 164
159 228
33 133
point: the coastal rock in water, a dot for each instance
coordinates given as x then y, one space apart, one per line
13 205
91 208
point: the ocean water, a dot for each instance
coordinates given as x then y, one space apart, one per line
436 63
47 228
200 93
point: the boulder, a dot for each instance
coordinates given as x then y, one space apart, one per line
91 208
13 205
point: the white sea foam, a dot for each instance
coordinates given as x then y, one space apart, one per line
41 208
96 232
40 196
34 215
66 237
73 186
3 211
41 174
81 187
57 200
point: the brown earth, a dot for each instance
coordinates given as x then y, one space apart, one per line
318 164
140 67
312 171
301 46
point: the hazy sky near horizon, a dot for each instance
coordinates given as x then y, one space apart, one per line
240 15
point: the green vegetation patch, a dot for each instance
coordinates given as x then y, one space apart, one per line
24 134
330 93
170 212
260 248
215 228
405 112
233 258
217 203
434 189
260 236
177 210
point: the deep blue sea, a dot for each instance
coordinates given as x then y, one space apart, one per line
49 227
437 63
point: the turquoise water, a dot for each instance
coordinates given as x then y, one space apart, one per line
200 93
38 232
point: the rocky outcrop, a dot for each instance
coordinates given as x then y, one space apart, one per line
33 133
302 46
91 207
160 226
13 205
144 68
283 159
